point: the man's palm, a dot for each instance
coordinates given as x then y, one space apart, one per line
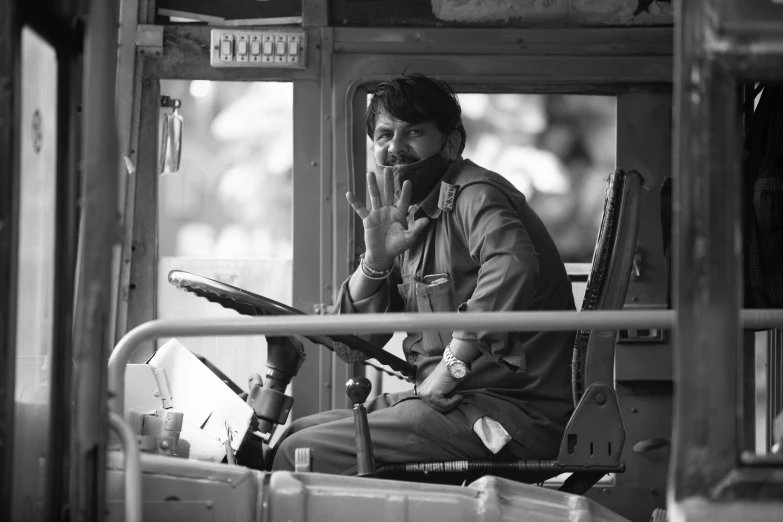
387 233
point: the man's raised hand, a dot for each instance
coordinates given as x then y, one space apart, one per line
387 233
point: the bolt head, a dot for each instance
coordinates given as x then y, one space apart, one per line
600 398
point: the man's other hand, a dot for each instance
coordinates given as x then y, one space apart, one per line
436 388
386 231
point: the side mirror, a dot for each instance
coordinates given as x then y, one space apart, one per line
170 149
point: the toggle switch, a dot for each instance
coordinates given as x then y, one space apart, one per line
280 48
242 48
255 47
226 48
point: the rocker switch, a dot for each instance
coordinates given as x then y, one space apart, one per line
226 48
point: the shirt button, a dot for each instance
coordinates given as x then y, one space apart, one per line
411 359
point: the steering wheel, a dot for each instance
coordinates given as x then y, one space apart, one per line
248 303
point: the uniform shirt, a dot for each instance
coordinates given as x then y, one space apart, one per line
484 249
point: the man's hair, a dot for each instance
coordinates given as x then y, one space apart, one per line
415 98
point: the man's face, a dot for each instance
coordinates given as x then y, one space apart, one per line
397 142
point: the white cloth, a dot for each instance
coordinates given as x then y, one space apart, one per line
491 433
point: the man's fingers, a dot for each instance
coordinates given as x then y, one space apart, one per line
453 401
357 205
416 228
405 197
388 187
372 190
444 404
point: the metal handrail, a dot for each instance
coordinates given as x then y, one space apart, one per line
133 503
398 322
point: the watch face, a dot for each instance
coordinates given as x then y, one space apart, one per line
458 370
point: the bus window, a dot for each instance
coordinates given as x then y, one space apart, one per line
35 275
558 150
227 213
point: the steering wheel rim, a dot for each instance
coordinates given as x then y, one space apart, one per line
248 303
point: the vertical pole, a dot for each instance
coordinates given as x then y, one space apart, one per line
98 237
312 166
141 221
69 84
10 102
707 260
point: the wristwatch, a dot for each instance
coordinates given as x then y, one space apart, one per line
458 369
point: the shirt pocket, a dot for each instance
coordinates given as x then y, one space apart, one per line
408 293
437 296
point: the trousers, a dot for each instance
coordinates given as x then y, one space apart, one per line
401 431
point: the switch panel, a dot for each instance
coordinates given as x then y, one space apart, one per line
257 48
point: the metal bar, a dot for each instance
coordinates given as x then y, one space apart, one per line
553 41
139 275
371 323
67 222
774 382
309 230
328 362
395 322
133 498
98 236
10 107
707 261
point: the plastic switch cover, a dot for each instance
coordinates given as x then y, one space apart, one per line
258 48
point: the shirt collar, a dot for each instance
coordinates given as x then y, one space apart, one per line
431 205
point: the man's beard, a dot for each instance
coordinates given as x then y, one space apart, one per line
424 175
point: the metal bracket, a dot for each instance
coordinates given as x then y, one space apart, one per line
636 266
169 102
149 38
595 434
163 392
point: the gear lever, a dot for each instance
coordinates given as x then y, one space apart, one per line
358 389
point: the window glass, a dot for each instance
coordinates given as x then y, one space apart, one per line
35 273
227 213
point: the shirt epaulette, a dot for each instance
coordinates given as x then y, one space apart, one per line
448 193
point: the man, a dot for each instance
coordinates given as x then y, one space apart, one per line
469 243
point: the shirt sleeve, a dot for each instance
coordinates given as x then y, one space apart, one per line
499 242
382 301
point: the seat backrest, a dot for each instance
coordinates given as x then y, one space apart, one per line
607 283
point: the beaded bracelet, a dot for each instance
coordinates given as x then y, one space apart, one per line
376 275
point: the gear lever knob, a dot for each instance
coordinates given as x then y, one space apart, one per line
358 389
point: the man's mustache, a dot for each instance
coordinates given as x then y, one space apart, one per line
400 159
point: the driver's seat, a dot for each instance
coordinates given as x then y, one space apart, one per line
595 435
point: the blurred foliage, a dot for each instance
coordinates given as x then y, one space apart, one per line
233 195
556 149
